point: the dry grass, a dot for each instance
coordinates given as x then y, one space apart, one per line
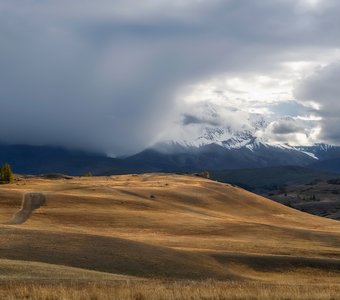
102 237
155 290
28 271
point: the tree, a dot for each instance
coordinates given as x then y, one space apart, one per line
206 174
87 174
6 173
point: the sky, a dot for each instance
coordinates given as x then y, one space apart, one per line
117 76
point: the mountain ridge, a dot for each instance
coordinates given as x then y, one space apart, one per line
169 157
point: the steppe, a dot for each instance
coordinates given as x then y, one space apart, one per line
162 236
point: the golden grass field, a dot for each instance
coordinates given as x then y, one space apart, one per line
162 236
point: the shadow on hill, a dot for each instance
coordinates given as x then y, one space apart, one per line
279 263
105 254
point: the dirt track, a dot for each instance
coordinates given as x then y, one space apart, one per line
30 202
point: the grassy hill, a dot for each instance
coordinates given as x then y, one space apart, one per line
133 234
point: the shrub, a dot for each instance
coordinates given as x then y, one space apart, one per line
314 181
204 174
334 181
313 197
6 174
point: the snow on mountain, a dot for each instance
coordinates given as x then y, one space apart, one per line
207 124
246 137
316 148
310 154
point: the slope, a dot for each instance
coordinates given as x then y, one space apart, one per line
168 226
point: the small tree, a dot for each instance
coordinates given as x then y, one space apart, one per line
206 174
6 173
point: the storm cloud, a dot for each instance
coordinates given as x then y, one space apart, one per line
287 126
323 88
106 75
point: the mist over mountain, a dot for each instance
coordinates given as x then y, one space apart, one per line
207 138
169 157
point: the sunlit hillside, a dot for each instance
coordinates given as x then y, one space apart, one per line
159 231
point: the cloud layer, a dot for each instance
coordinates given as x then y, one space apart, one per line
108 75
323 88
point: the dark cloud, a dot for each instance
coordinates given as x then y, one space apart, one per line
191 119
323 88
103 75
286 126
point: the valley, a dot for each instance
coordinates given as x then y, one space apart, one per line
318 197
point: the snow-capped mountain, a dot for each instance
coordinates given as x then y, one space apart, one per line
213 127
247 137
224 147
205 138
169 157
226 136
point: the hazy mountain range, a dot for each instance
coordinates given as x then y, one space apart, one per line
172 157
201 141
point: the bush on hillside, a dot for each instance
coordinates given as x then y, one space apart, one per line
204 174
88 174
334 181
314 181
6 174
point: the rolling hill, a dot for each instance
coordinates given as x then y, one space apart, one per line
150 227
